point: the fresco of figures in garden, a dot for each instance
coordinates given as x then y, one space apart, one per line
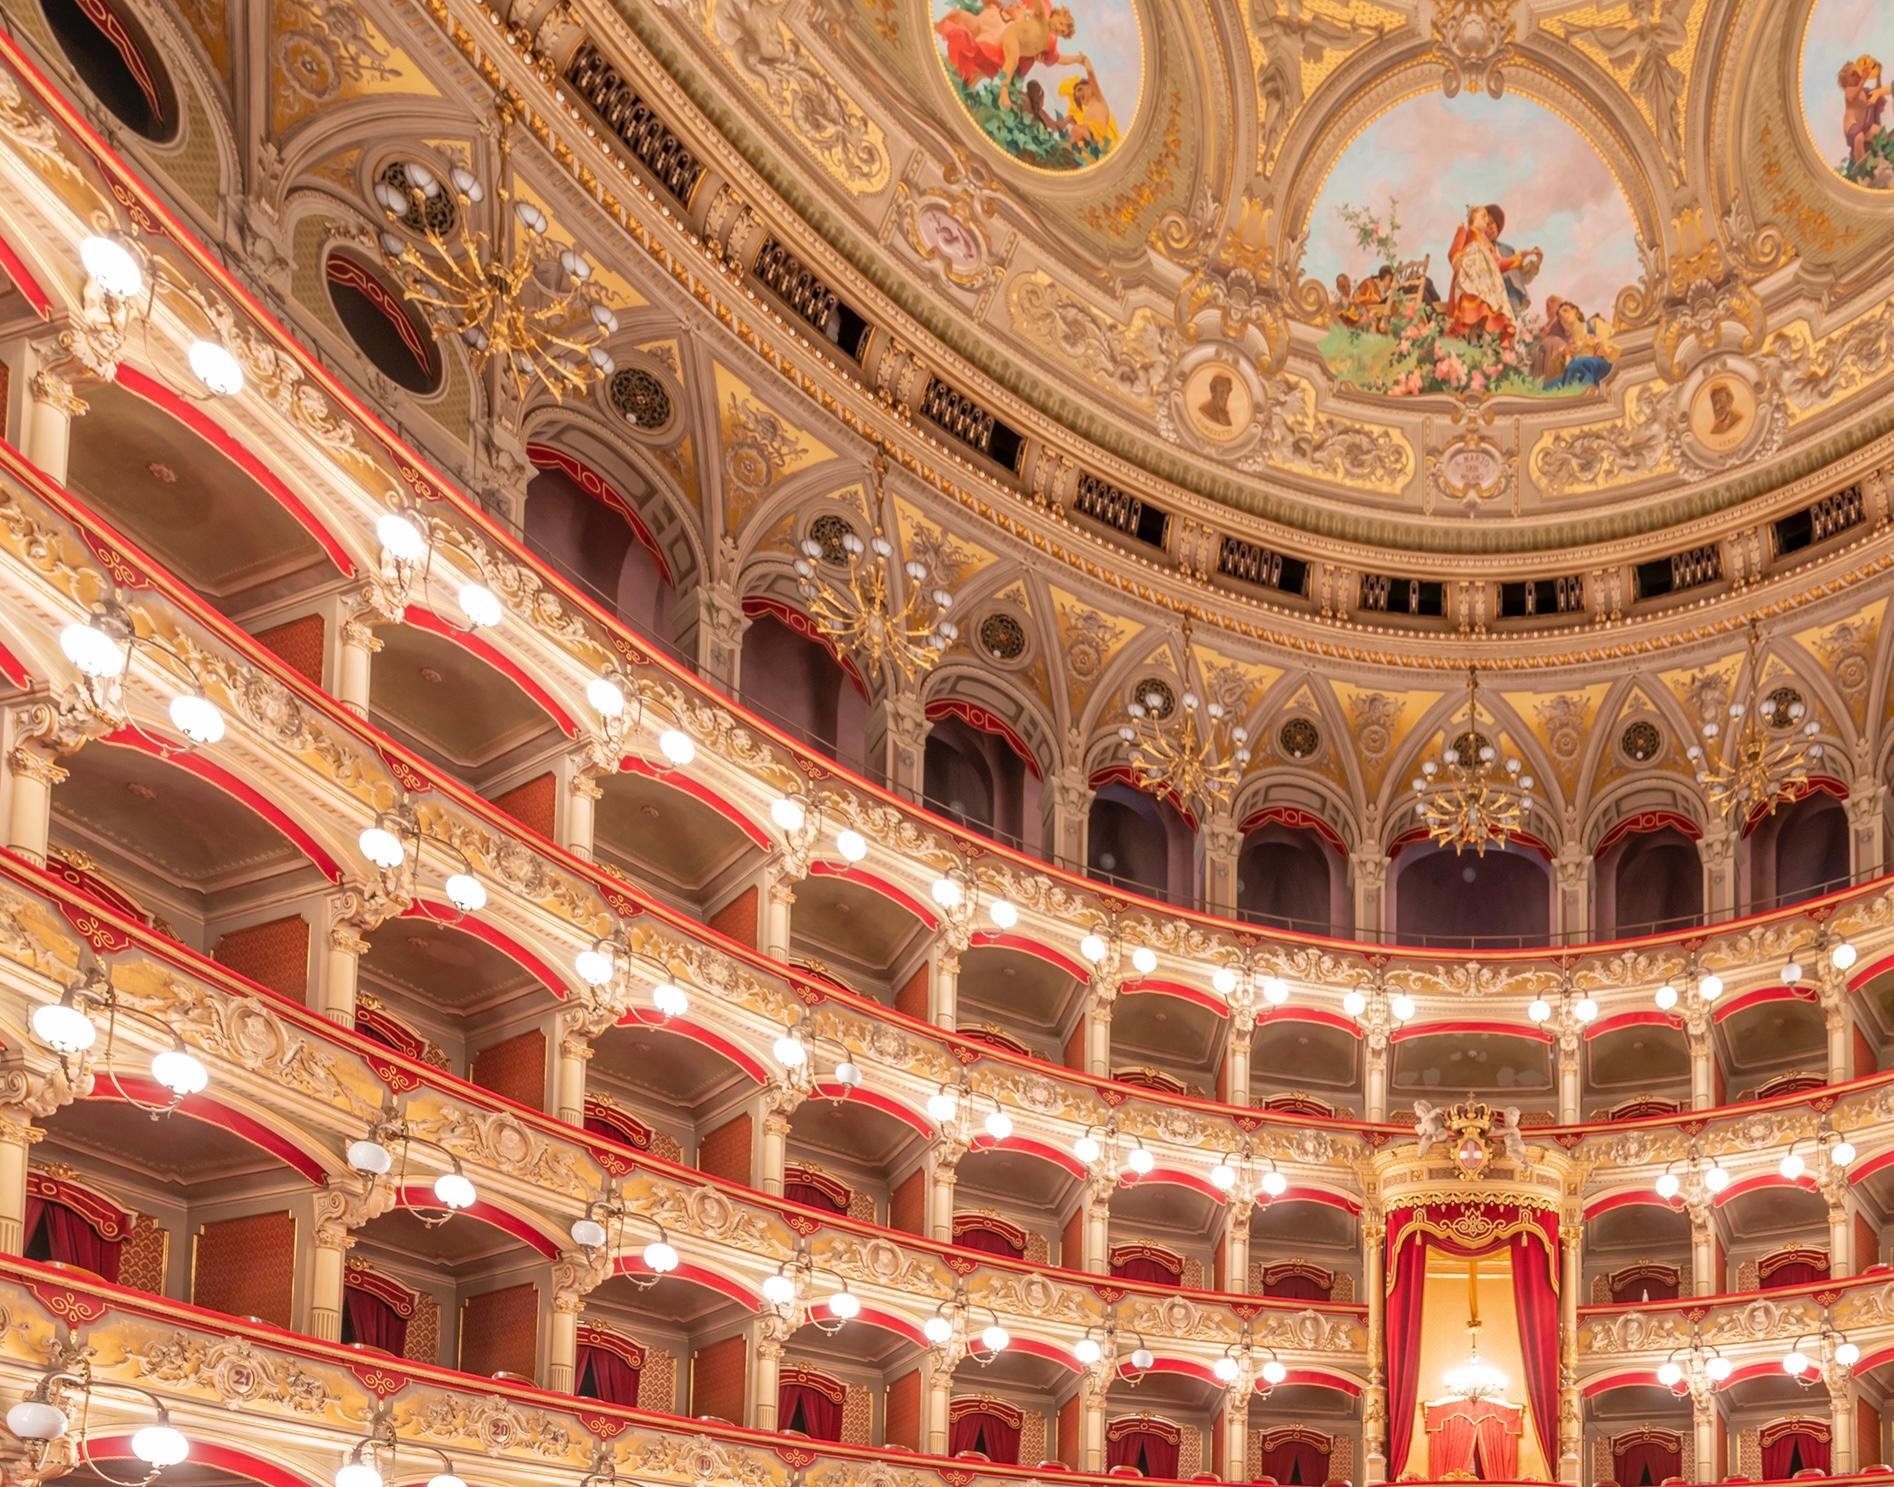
1845 88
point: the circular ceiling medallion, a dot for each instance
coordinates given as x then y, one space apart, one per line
436 213
827 531
1840 83
1299 738
1469 746
1156 695
1002 637
640 397
1785 709
1054 87
1640 741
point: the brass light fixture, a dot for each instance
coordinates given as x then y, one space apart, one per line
1189 748
859 616
1463 798
1474 1378
1761 757
528 304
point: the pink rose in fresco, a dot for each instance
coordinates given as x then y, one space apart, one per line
1510 356
1409 386
1477 383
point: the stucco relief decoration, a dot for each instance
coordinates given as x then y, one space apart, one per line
1295 38
1472 37
950 226
321 45
1471 471
1053 85
1129 359
1846 89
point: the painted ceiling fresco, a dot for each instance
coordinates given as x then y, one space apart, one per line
1845 88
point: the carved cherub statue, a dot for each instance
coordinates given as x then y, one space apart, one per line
1430 1125
1511 1141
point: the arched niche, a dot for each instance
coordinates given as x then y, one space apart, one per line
1290 875
1444 898
978 777
1799 852
795 681
1648 882
592 535
1138 840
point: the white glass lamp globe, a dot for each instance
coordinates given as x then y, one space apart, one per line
1223 981
999 1125
1668 1185
481 605
606 697
1716 1178
401 537
1719 1368
63 1028
1223 1177
1087 1150
851 844
1087 1351
1847 1354
1585 1010
1791 972
848 1074
844 1304
1092 947
1140 1161
1143 1358
382 847
180 1072
937 1329
466 893
1669 1373
778 1289
160 1446
1003 914
454 1190
1354 1003
370 1157
1225 1369
995 1339
1791 1166
1275 990
1710 988
1275 1184
1402 1007
92 651
1539 1010
1843 956
1795 1364
445 1479
37 1420
790 1051
660 1257
676 746
216 368
1144 960
942 1106
111 266
788 813
1842 1153
588 1233
1666 998
197 718
672 1001
357 1474
1274 1372
594 966
947 893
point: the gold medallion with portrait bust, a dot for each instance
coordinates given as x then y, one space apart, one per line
1722 413
1217 402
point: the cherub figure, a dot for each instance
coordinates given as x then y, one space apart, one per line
1290 37
1430 1125
1864 100
1511 1139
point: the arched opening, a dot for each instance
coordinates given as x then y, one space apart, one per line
864 935
1310 1067
1305 1433
1302 1250
1775 1236
1771 1045
1642 1067
835 1383
1166 1042
1002 1409
1010 1203
1141 842
1454 899
1636 1252
115 59
845 1156
1508 1069
1639 1435
1800 852
1162 1424
1291 878
1654 880
384 328
1019 999
1163 1233
692 1099
976 779
796 683
595 547
674 838
643 1340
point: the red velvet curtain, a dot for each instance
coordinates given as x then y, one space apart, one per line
800 1407
1298 1288
1644 1288
1791 1452
1149 1452
1536 1302
989 1434
986 1242
1142 1267
608 1378
1453 1434
814 1197
1499 1445
70 1240
1407 1279
1296 1461
1795 1273
1647 1463
373 1322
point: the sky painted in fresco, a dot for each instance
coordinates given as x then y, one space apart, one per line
1839 31
1436 154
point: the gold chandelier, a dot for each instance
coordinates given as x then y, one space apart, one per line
859 616
1188 748
1464 799
530 306
1762 757
1474 1378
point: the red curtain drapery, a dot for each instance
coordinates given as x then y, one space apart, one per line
1796 1267
811 1404
1298 1287
1295 1456
1645 1461
1481 1439
1143 1269
373 1322
984 1237
1790 1446
607 1376
1530 1237
70 1238
985 1432
1149 1445
813 1197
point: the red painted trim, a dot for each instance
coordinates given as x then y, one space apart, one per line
14 267
1290 1012
1859 1170
983 720
595 485
1757 1184
14 669
206 1453
1817 784
1124 774
697 1033
871 1316
1321 1378
1419 834
1873 1360
484 930
1184 1366
1038 949
1177 1178
1624 1020
485 650
1631 1378
1526 1030
892 1108
1767 1368
1183 993
1318 1195
421 1195
226 444
696 1275
193 762
698 791
1064 1161
849 873
1634 1198
1296 819
1033 1348
1643 822
1861 975
792 619
114 1085
1723 1011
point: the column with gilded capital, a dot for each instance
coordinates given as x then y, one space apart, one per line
897 743
1239 1029
341 964
1374 1402
779 897
1571 1432
43 403
355 660
779 1103
580 829
1236 1248
1704 1280
1568 1066
575 1275
1717 848
937 1415
766 1364
943 1171
1097 1257
31 776
1368 876
17 1135
576 1028
1098 1032
1841 1418
1068 799
944 987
